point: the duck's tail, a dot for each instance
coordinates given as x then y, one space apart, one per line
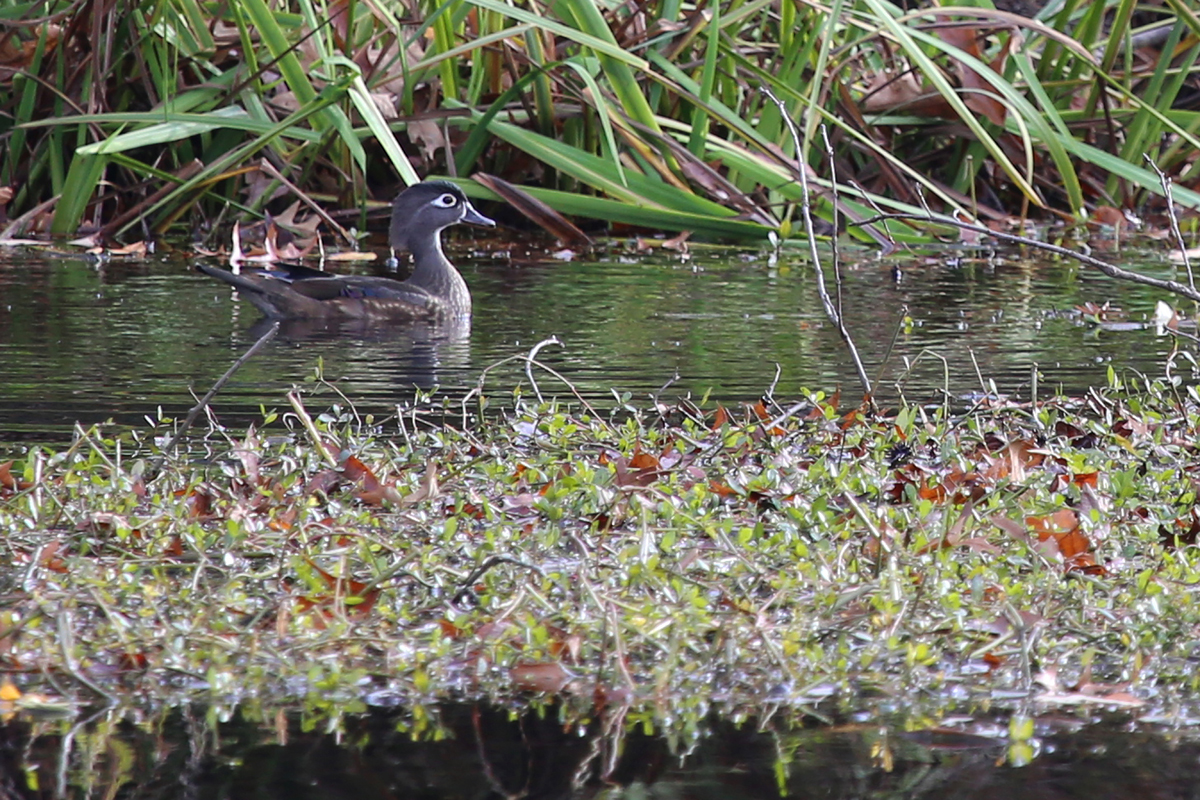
261 289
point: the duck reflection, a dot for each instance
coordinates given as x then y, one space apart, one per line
418 354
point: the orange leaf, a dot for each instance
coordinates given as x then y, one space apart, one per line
722 489
640 469
642 460
10 481
50 559
370 490
980 100
1062 521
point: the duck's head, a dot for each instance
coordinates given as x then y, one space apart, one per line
422 210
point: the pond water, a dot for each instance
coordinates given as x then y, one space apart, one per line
83 341
465 751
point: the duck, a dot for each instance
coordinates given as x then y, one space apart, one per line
434 291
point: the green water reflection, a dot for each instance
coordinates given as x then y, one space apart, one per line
82 341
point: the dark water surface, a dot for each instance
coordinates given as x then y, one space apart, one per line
83 341
462 751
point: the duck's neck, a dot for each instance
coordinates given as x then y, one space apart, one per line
433 271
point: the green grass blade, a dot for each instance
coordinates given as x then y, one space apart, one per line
296 77
708 77
597 173
601 45
78 188
906 37
162 133
603 112
231 117
590 207
360 95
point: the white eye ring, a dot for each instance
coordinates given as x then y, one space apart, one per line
446 201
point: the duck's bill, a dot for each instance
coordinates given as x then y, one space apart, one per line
475 218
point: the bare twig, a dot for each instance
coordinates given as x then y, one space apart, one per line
313 434
466 586
216 387
530 361
269 168
774 382
831 310
1183 251
891 348
664 387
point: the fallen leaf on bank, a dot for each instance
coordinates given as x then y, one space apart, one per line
136 250
640 469
353 597
1179 256
426 134
1086 693
11 482
901 92
978 94
1108 216
428 488
352 256
368 488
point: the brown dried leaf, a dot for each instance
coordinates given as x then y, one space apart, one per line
427 135
428 488
551 678
535 210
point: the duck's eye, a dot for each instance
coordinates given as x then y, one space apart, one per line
446 201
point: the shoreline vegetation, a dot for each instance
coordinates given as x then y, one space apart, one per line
124 121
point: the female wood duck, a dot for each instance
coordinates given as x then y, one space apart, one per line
434 291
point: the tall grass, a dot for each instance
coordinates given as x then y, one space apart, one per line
645 113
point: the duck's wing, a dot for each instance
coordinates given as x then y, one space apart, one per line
300 292
366 289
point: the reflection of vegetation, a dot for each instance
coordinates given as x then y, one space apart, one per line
646 113
471 750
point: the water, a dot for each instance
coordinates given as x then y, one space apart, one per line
461 751
85 342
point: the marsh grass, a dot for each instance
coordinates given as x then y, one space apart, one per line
637 113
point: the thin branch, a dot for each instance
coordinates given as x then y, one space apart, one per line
831 310
1183 251
216 387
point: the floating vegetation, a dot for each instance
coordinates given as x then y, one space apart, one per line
668 559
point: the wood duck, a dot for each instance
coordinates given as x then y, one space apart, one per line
434 291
